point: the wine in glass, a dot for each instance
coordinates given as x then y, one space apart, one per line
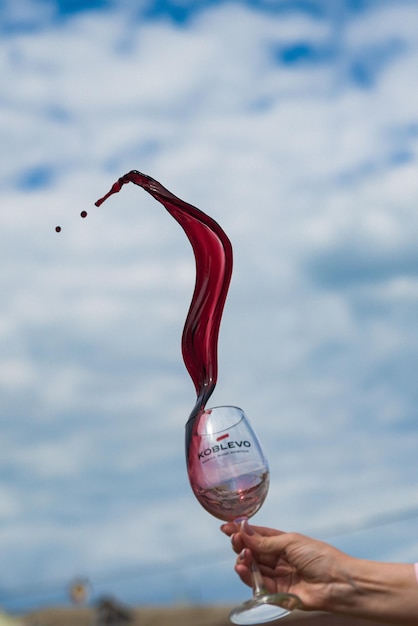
229 476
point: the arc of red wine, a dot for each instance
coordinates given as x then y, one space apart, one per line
213 255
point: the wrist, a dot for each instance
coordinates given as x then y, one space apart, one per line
388 591
341 594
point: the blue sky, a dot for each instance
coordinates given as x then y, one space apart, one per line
293 124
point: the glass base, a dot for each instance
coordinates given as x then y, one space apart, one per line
264 608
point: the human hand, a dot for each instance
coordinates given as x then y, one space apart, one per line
290 562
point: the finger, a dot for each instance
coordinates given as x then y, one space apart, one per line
237 543
268 550
245 557
232 527
266 532
275 570
242 566
244 573
270 544
243 569
229 528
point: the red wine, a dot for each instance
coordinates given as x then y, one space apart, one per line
213 255
240 497
83 214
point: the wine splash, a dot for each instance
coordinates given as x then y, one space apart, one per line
213 255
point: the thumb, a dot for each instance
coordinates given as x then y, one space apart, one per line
259 542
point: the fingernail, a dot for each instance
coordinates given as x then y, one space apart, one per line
232 538
241 555
247 528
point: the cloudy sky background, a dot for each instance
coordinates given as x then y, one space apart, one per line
294 125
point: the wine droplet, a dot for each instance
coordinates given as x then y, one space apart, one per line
57 229
83 214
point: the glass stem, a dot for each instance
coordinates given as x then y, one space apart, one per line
256 577
257 580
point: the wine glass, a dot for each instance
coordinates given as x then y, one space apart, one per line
229 476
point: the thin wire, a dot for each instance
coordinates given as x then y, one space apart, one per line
204 558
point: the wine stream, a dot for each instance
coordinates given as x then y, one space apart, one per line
213 255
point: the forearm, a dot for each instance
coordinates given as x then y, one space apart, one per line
385 592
